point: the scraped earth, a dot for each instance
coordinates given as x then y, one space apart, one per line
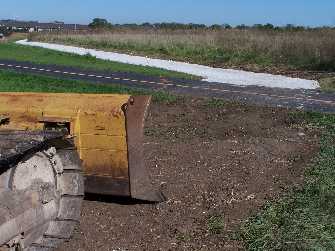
212 161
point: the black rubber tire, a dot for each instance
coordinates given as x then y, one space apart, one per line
70 185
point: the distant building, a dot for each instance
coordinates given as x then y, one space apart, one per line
32 26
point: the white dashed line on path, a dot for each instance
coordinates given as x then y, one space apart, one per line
328 102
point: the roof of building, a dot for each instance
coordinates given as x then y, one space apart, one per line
33 24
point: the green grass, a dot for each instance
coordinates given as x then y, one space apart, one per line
216 224
19 82
11 51
305 219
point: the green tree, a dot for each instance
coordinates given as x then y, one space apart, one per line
226 26
267 26
242 27
215 27
100 23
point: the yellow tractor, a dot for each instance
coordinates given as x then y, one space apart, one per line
55 147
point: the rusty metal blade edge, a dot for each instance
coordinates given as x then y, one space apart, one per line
140 185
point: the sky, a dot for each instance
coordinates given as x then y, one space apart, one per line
279 12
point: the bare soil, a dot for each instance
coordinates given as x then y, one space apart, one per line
217 165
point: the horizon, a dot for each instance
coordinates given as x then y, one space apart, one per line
208 25
238 12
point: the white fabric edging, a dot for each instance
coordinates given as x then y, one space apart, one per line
235 77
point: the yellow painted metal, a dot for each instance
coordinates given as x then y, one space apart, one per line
96 121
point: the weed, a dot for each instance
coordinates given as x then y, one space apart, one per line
216 103
313 119
327 84
183 237
216 224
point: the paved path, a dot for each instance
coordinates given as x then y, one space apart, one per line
308 100
210 74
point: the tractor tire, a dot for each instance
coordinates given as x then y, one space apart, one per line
62 169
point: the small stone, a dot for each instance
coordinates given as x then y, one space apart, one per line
251 197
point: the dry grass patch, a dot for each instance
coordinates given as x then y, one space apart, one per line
328 83
306 50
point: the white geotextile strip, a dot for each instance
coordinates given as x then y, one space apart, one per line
228 76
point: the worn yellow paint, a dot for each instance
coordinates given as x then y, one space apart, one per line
96 121
103 162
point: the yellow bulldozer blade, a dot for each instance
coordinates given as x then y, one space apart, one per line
107 130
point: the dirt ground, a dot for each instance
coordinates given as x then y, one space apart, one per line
217 165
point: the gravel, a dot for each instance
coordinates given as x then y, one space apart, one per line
219 75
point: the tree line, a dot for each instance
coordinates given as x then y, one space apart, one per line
100 23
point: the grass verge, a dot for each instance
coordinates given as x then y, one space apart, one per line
305 220
11 51
328 84
312 49
11 81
